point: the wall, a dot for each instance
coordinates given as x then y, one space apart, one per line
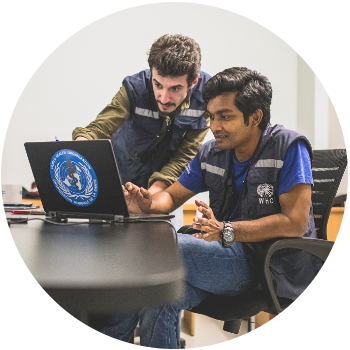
82 75
316 117
336 140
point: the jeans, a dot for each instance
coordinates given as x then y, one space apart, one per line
210 268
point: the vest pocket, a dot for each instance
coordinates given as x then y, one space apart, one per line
262 193
139 142
177 136
216 189
213 181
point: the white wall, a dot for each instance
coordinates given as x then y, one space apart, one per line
82 75
316 117
336 140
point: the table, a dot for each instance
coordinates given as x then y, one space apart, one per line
102 268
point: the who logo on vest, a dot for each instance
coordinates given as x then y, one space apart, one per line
265 191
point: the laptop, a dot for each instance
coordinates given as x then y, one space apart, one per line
80 179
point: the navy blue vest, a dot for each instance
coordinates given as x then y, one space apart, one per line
292 269
135 143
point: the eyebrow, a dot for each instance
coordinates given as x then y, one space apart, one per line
172 87
221 111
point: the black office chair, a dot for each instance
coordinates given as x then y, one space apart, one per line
328 167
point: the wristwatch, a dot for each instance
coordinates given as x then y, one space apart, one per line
227 235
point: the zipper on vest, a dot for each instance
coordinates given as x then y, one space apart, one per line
167 120
244 185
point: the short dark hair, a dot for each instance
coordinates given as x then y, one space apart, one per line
175 55
252 90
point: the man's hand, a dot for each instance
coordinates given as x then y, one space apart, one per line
81 138
210 228
137 199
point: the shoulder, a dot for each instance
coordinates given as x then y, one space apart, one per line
197 90
209 146
209 151
204 76
138 81
298 150
138 87
283 138
279 132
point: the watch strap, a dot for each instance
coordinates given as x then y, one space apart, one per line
227 243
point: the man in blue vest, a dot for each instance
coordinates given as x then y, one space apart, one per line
157 120
259 180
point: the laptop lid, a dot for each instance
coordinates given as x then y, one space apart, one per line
79 177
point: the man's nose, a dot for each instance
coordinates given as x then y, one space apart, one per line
215 125
164 96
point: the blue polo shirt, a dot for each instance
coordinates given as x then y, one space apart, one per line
296 169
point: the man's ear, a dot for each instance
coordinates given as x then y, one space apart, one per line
256 117
194 83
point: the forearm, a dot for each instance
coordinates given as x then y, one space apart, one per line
108 121
140 200
188 148
170 199
162 202
291 222
180 158
269 227
158 186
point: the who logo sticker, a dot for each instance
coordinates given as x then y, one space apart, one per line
74 177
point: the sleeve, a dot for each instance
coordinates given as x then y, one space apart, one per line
192 177
296 168
177 163
112 117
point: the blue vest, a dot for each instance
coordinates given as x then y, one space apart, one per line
292 270
135 143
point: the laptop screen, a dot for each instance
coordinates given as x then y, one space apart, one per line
77 177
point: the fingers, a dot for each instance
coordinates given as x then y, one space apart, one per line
209 229
125 191
130 187
200 224
145 193
206 236
144 199
206 213
201 235
201 204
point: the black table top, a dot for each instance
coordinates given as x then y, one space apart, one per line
102 267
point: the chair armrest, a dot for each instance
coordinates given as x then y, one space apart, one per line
318 247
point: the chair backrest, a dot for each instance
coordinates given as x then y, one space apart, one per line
328 167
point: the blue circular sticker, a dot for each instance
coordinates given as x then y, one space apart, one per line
74 177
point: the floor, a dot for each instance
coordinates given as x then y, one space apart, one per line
207 332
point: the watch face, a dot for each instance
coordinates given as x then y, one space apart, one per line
228 236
